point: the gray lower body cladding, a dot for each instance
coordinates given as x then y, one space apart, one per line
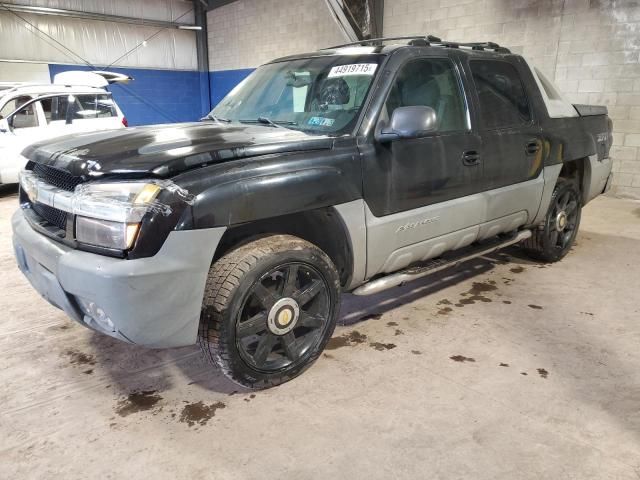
155 301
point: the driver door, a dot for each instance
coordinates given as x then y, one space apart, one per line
419 191
25 128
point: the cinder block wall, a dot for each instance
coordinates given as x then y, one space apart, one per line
590 47
248 33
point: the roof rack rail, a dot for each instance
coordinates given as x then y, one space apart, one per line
426 41
425 38
482 46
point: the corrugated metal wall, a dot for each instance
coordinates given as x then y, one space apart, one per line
167 85
98 42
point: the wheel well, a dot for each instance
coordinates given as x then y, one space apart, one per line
573 170
322 227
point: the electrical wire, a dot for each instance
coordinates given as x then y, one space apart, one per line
144 42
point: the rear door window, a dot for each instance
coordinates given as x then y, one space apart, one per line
503 101
55 108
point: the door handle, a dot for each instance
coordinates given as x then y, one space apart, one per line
471 158
532 147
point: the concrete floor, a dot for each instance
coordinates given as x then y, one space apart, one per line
501 369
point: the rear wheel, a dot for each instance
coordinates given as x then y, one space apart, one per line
270 307
554 238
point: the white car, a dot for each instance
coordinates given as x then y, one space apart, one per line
76 102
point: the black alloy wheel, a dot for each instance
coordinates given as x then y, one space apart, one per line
563 221
270 306
283 316
553 239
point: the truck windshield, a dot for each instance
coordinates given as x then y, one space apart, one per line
322 95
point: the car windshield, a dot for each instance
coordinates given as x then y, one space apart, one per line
321 95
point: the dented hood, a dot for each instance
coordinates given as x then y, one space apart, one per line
164 151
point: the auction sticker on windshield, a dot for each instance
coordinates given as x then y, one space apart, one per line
353 69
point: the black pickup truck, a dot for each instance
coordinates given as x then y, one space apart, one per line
352 169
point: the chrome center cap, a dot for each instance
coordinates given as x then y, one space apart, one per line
283 316
561 221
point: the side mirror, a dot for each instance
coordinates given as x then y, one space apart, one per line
409 122
5 127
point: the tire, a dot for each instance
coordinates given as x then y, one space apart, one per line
270 307
552 240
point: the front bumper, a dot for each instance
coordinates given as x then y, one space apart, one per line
155 301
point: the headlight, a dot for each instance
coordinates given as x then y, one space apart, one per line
109 214
125 202
103 233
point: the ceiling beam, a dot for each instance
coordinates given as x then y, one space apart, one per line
59 12
213 4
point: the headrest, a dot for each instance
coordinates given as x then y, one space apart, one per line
334 91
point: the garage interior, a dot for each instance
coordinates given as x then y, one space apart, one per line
499 368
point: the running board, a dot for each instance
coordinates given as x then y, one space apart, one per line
433 266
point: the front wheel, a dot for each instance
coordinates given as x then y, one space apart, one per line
270 306
554 238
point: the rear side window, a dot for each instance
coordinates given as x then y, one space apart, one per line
503 101
93 106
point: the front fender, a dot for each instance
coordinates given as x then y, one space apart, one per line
247 190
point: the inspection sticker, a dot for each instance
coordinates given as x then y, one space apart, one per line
353 69
321 121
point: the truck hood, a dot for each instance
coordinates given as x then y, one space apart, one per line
164 151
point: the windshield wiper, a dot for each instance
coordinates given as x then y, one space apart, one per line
215 118
268 121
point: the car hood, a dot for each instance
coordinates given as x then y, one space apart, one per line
164 151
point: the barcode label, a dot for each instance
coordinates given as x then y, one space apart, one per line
353 69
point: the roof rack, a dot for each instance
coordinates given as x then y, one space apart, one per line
427 38
426 41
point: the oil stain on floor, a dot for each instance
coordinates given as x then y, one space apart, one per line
138 402
382 346
462 358
79 358
199 413
475 294
346 340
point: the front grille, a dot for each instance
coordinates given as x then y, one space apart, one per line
51 215
53 176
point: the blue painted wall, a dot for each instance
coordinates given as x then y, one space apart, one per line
167 96
157 96
222 82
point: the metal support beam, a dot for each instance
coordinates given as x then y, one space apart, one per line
202 54
59 12
213 4
202 43
377 16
